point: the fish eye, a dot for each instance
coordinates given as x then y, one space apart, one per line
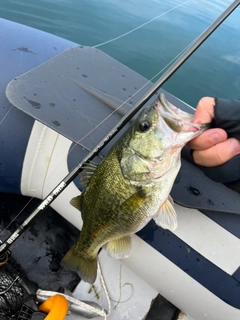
144 125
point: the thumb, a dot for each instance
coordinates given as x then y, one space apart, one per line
205 110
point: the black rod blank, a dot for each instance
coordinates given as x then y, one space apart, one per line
124 120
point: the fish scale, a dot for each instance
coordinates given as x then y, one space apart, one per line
131 186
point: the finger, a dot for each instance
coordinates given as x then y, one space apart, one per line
208 139
218 154
205 110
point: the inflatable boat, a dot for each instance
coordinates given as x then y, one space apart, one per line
53 94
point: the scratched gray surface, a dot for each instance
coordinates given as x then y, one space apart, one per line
57 93
76 90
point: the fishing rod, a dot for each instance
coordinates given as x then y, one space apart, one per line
123 121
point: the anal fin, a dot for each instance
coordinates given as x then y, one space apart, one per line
120 248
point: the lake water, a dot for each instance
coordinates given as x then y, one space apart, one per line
214 70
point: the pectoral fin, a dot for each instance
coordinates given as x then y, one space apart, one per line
120 248
166 217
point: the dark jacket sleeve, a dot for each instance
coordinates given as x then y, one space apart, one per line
227 117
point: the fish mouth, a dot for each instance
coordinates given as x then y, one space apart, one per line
175 118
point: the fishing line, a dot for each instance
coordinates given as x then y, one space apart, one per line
103 284
128 116
123 35
5 229
9 287
142 25
98 125
120 290
46 202
134 94
112 113
6 115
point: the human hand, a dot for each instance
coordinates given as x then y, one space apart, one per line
212 147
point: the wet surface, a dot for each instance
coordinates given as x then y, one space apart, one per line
24 49
57 123
34 104
224 286
42 246
194 191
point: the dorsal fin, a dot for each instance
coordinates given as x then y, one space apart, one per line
88 170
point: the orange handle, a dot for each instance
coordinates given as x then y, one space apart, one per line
56 307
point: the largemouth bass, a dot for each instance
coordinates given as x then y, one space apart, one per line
131 186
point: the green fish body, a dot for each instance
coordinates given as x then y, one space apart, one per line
130 186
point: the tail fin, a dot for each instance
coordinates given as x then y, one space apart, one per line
86 268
